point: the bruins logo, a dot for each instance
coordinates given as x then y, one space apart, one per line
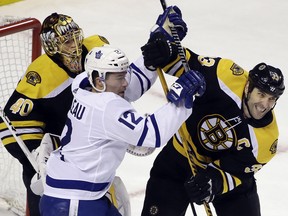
236 69
33 78
154 210
216 133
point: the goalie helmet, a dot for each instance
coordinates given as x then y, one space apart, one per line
103 60
267 78
57 30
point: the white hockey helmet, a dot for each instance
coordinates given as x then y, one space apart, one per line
105 59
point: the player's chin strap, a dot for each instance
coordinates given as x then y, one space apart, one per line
165 88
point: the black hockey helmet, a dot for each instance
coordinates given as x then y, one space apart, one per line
267 78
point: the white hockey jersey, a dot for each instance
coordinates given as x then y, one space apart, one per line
98 130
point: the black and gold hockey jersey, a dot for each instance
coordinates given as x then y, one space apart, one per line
41 100
217 133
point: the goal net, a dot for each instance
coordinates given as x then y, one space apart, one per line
19 46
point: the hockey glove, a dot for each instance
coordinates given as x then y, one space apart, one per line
158 52
204 186
186 86
48 144
36 185
171 17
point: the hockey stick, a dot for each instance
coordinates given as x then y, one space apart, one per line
18 139
165 88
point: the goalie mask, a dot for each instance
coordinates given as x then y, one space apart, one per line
105 59
61 35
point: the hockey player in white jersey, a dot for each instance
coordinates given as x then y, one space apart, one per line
100 125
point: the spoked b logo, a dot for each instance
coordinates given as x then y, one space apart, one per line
216 133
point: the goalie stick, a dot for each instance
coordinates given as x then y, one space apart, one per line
18 139
187 149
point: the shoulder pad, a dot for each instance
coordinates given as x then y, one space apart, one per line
94 41
41 78
232 76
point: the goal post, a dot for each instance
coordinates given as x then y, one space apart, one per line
19 46
23 25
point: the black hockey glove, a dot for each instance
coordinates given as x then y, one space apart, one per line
185 87
204 186
158 52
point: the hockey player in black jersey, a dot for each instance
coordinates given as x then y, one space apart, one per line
232 133
43 96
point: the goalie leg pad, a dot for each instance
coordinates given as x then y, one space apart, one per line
119 197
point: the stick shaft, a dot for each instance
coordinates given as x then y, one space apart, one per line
18 139
185 64
164 5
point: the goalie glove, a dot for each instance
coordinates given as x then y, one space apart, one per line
185 87
204 186
36 185
171 17
49 143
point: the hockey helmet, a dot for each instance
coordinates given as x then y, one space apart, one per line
267 78
58 29
103 60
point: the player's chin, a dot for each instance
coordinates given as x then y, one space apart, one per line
259 115
121 94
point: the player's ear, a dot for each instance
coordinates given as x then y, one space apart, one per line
99 83
246 89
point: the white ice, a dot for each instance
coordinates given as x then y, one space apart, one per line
248 32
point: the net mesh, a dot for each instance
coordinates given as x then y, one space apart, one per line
15 56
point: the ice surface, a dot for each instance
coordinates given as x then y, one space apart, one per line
248 32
